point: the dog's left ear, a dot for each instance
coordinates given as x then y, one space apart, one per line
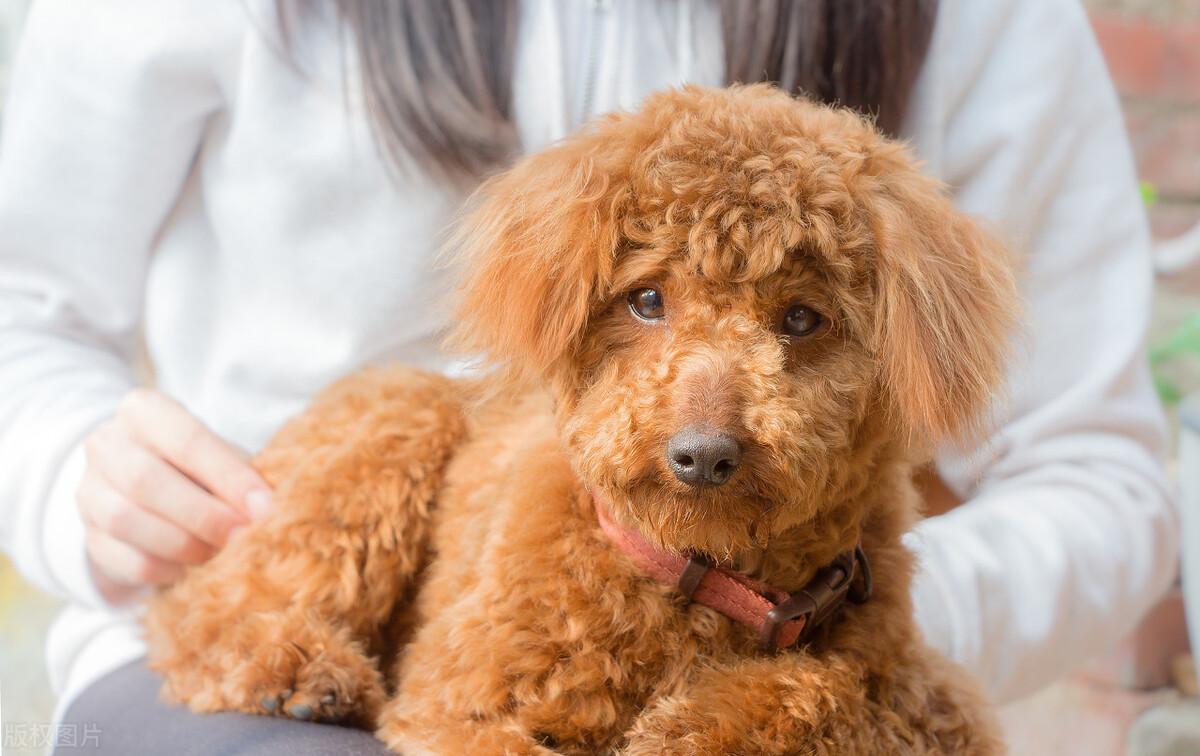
536 249
946 303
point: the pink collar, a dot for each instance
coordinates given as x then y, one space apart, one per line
781 619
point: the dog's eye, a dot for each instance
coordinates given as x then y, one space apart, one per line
647 304
801 321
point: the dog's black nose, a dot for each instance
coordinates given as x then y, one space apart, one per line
702 455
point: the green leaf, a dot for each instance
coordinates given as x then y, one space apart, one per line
1181 343
1149 193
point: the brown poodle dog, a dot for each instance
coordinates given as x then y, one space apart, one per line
730 324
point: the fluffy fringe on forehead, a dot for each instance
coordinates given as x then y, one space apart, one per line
733 181
738 180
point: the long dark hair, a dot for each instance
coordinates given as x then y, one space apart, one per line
437 74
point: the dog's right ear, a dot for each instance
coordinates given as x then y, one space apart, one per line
536 249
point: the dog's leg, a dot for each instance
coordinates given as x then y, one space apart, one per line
465 687
523 650
802 704
760 705
286 618
934 697
463 700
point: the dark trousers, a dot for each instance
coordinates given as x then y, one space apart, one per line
124 717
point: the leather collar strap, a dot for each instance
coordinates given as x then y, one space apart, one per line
781 619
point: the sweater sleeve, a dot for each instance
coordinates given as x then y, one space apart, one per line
107 109
1069 533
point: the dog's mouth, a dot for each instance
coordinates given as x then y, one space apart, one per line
714 519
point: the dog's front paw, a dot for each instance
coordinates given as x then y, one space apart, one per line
672 742
679 726
307 669
284 664
674 729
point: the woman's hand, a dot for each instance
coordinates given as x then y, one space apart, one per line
161 491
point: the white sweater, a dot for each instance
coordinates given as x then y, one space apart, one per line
164 171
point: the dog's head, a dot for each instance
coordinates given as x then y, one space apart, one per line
737 299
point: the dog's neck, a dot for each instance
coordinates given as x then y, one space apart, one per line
873 512
787 560
792 558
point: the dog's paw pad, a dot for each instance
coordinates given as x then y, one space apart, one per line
300 711
273 703
311 701
304 706
317 678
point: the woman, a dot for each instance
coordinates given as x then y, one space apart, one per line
259 188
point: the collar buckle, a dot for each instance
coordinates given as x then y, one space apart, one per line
817 601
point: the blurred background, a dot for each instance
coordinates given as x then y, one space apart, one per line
1141 698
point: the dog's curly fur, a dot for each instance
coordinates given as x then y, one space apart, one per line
434 568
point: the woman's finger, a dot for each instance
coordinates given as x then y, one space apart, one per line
152 484
172 432
106 509
126 565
